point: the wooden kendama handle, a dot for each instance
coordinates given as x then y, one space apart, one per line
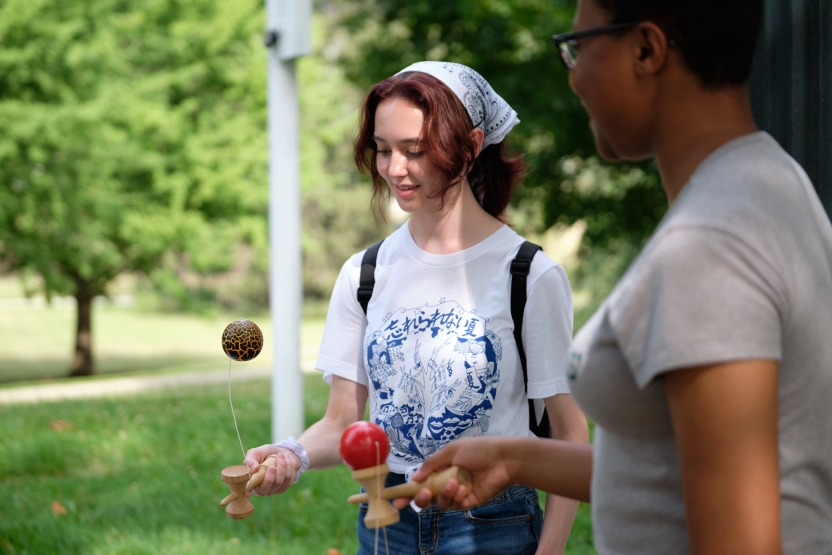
257 477
435 483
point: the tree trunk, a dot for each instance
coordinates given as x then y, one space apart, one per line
82 361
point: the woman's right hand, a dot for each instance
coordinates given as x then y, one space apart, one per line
278 478
560 467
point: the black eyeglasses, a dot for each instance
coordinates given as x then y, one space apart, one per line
566 42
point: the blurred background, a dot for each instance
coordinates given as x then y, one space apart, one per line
133 165
133 228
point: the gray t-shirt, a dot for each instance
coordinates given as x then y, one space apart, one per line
739 268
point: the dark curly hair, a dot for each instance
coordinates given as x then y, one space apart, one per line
717 38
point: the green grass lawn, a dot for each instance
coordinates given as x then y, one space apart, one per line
38 344
141 475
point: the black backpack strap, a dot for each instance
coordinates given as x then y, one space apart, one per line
367 280
520 267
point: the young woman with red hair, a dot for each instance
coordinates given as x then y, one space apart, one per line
435 354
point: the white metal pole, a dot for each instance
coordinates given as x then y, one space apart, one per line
285 285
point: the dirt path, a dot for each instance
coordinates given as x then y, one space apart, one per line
122 386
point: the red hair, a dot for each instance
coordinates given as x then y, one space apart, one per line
446 135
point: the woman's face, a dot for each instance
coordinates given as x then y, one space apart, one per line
400 159
618 103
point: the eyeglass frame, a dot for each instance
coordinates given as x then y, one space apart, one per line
566 38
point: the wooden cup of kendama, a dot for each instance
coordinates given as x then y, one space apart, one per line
237 505
379 511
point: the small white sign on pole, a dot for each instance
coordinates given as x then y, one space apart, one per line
288 36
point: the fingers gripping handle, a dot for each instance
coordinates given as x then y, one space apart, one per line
435 483
257 477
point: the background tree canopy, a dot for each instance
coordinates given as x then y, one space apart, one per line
133 140
130 141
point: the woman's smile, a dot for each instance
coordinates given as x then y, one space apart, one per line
405 192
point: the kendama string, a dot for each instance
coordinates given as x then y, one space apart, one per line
378 488
235 418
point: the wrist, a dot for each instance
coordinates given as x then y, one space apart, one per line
513 464
291 444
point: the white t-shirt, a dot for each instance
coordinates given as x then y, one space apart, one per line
436 349
739 268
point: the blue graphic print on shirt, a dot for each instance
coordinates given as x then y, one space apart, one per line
434 375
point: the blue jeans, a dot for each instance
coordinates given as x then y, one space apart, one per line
509 524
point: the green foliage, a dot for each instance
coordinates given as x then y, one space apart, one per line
617 202
133 139
597 274
510 44
130 138
337 220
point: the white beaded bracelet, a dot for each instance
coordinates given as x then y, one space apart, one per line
292 445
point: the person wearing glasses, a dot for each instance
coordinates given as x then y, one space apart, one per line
433 350
708 369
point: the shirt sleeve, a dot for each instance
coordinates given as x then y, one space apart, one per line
341 346
700 296
547 333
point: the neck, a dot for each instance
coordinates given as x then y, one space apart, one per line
694 123
461 223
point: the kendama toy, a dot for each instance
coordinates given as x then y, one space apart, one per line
364 447
242 341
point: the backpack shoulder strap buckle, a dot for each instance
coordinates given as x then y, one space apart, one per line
520 267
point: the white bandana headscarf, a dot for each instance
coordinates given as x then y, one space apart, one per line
487 109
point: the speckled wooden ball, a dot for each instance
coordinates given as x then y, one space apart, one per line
242 340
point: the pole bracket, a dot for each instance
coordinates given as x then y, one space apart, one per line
271 37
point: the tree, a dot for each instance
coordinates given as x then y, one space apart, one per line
131 140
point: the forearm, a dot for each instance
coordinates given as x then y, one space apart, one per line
321 442
347 401
557 523
568 424
563 468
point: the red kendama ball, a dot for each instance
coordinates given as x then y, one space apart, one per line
242 340
364 445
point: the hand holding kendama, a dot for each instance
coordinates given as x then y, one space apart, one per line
435 483
364 446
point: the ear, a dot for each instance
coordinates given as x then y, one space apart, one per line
477 137
651 49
